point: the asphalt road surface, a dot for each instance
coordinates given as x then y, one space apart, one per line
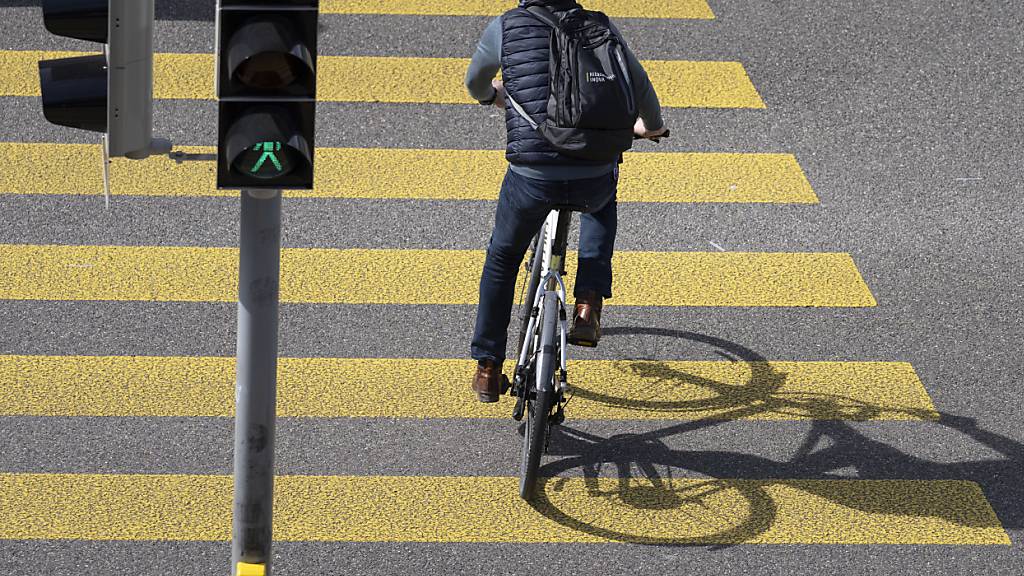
811 365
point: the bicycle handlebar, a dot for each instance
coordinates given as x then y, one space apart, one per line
653 138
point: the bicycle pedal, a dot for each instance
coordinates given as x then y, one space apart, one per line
505 386
557 418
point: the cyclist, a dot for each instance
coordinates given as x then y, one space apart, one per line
538 178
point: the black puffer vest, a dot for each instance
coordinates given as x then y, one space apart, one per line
525 55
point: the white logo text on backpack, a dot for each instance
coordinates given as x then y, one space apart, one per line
599 77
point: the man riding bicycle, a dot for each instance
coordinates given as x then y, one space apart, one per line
539 178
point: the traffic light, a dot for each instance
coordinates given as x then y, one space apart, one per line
266 84
110 92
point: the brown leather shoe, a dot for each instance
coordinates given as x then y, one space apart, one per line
487 383
586 320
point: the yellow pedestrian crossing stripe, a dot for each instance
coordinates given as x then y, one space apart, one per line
486 509
680 83
384 173
361 276
680 9
393 388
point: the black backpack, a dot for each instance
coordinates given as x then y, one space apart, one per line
591 108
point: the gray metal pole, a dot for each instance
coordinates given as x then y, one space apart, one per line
259 268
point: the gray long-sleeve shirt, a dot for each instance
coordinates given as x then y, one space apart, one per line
485 65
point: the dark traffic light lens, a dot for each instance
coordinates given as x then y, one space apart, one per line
269 71
265 160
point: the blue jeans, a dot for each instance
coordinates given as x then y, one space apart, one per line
523 205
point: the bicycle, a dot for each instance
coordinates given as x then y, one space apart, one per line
539 389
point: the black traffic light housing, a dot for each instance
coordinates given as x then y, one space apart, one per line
110 92
74 92
266 84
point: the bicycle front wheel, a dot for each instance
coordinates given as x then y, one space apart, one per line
536 266
538 413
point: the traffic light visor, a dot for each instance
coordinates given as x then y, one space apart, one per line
82 19
266 57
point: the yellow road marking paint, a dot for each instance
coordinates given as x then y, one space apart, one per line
341 387
488 509
361 276
184 76
686 84
383 173
714 177
680 9
247 569
680 83
20 70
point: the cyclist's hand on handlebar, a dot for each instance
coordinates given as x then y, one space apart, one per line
499 100
641 131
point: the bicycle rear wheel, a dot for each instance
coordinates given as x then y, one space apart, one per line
538 411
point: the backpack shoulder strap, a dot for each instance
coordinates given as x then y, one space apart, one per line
543 14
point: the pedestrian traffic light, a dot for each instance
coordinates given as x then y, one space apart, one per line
266 84
110 92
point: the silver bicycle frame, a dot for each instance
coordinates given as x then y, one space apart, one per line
551 281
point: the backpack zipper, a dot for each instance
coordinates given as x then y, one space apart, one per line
624 70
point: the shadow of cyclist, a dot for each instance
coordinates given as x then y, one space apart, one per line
636 470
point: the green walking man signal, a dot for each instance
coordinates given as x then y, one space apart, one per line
268 149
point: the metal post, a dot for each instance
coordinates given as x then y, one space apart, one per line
259 268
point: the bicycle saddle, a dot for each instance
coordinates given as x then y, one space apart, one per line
571 208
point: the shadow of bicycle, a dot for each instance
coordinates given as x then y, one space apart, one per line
634 488
747 386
